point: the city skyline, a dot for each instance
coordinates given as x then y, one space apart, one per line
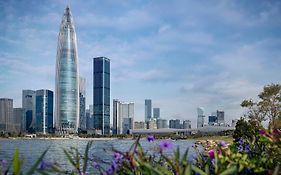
208 48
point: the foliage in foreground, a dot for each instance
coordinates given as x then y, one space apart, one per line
240 157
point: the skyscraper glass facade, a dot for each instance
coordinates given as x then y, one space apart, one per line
44 111
6 114
82 103
67 89
148 112
28 105
156 113
200 117
101 94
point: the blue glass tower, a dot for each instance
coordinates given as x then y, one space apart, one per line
44 111
101 94
67 78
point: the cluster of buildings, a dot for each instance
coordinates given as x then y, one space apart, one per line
215 119
64 111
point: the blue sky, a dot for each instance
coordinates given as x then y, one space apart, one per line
181 54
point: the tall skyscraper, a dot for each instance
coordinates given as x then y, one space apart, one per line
6 114
44 111
18 119
156 113
123 117
200 117
101 94
82 102
220 117
28 105
90 118
67 76
147 109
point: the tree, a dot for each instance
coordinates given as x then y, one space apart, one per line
267 108
245 129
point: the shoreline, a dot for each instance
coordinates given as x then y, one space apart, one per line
228 139
55 138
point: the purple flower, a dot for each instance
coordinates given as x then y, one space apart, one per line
114 165
95 165
211 154
276 131
45 165
165 144
248 147
109 171
262 132
3 162
240 148
222 143
150 138
241 141
117 156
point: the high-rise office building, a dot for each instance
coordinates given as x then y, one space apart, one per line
123 117
28 105
44 111
213 120
67 77
117 120
186 124
156 113
90 118
18 119
6 114
220 117
175 124
161 123
147 109
101 94
200 117
82 102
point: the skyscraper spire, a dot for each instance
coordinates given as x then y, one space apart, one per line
67 76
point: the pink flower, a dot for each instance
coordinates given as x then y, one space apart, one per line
211 154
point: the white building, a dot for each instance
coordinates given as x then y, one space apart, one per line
123 117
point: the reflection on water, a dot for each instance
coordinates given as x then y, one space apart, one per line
31 149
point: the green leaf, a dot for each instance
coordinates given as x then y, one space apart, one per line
197 170
148 166
169 162
77 157
177 154
184 157
34 167
232 170
16 163
69 158
187 170
86 156
216 162
207 169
